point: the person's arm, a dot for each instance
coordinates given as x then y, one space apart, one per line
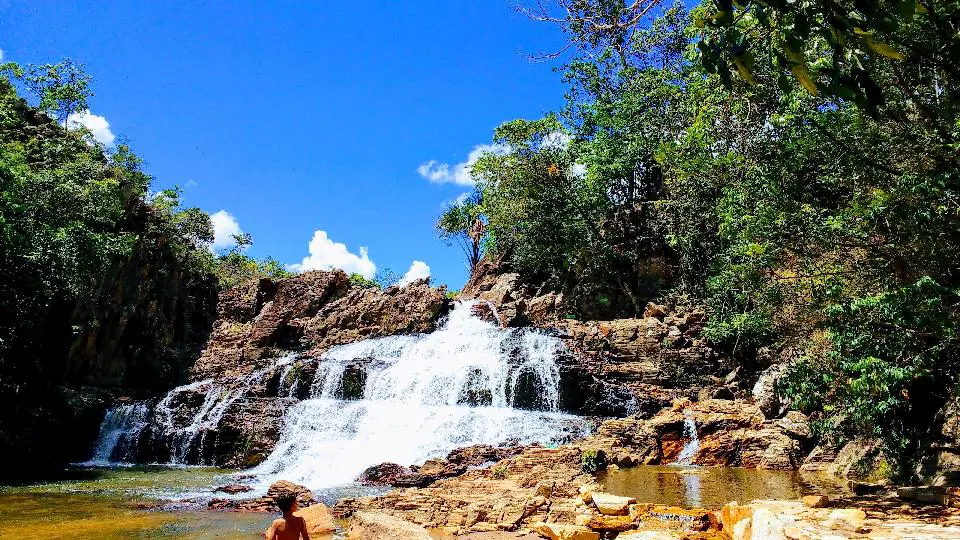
303 529
271 532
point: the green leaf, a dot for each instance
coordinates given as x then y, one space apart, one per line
800 72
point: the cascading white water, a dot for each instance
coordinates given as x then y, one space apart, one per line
422 397
123 425
119 430
693 444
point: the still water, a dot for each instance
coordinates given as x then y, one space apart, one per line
134 502
709 487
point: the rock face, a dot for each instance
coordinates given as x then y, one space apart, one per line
730 433
310 312
640 364
657 359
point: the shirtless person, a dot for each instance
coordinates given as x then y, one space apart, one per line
289 527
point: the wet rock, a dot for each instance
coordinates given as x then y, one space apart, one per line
376 526
457 462
233 488
661 517
384 474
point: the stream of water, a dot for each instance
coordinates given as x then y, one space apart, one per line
421 396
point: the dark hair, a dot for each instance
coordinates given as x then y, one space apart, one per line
285 501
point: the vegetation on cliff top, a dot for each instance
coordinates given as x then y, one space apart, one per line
105 283
792 166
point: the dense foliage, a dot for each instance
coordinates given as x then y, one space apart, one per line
795 172
104 283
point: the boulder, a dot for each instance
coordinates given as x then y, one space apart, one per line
764 524
851 519
765 390
607 524
557 531
733 513
376 526
815 501
611 505
318 519
384 474
281 488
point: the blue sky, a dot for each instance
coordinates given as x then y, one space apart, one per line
294 117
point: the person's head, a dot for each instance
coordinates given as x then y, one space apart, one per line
287 503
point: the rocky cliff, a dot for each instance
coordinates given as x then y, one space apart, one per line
310 313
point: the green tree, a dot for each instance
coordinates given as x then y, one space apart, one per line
461 223
62 88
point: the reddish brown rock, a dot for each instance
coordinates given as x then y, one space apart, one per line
314 310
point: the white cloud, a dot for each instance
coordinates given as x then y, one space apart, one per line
418 270
225 226
444 173
98 126
191 183
325 254
1 55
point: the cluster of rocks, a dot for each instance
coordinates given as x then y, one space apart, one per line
310 312
815 517
730 434
456 463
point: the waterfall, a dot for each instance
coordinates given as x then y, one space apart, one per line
469 382
119 432
693 444
402 399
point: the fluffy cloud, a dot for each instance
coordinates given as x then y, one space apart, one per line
444 173
98 126
1 55
225 226
418 270
325 254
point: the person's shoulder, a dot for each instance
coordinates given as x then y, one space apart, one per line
277 522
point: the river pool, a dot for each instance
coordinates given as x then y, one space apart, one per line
129 502
710 487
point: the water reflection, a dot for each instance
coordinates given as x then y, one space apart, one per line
708 487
